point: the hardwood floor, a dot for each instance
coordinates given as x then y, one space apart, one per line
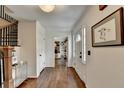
58 77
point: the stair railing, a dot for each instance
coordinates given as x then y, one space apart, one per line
9 33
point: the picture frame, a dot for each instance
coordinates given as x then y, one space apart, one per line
109 31
102 7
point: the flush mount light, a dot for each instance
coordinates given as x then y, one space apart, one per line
47 8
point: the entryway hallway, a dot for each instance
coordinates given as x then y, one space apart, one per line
58 77
76 33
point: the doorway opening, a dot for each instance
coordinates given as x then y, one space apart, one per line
61 52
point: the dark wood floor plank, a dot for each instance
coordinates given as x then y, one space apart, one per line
58 77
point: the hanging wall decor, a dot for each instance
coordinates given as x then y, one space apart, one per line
102 7
109 31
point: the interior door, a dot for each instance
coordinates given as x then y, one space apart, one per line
40 39
41 49
80 55
78 47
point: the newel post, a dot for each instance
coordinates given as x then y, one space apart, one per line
7 50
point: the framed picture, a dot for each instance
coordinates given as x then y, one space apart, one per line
109 31
102 7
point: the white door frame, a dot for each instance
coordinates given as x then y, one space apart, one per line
70 51
69 62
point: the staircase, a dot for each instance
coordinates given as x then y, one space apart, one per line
8 29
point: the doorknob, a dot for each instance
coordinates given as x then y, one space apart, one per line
89 52
40 55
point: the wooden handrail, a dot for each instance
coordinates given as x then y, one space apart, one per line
5 18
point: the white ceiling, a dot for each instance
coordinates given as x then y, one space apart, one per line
62 18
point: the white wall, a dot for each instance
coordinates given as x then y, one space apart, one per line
50 55
105 66
32 41
27 40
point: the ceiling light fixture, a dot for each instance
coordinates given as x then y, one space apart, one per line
47 8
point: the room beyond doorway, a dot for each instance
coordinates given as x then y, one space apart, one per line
61 55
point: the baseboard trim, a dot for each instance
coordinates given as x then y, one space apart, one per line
42 70
78 76
32 77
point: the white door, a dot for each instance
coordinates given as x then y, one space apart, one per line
80 54
78 47
41 49
40 46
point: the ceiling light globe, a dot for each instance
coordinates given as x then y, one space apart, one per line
47 8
